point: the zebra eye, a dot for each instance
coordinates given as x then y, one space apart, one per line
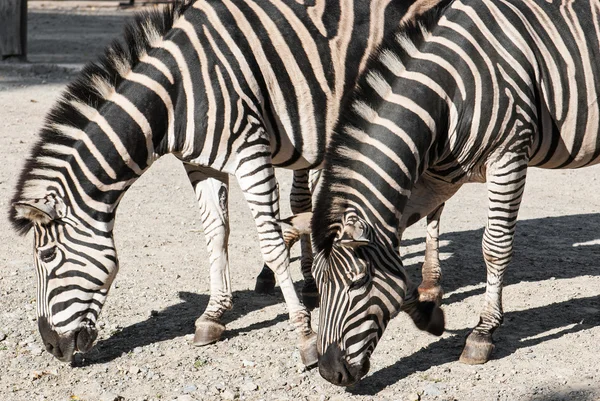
361 282
48 255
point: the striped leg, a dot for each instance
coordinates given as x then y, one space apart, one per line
300 202
211 190
506 182
431 272
260 189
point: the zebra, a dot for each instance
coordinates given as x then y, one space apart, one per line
475 92
229 88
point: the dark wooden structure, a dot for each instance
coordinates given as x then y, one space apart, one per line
13 29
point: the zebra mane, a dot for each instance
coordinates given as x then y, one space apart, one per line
96 79
397 49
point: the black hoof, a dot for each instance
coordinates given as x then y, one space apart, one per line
265 282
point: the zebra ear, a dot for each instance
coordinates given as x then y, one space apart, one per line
354 235
41 211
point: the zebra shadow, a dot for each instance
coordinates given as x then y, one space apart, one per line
545 249
553 247
178 320
521 329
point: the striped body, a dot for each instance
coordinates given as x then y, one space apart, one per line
228 87
478 93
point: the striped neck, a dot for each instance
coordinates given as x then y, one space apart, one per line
108 127
383 146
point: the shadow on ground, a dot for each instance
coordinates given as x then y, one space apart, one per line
178 320
520 329
557 247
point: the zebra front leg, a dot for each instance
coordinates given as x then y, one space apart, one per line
431 272
211 190
427 199
506 183
301 202
260 189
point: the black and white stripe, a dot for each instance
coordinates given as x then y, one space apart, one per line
477 93
230 87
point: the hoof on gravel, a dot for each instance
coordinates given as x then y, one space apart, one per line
207 332
265 282
478 349
437 324
308 351
310 295
431 294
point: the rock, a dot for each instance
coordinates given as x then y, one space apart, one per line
190 388
134 370
228 395
249 386
185 398
35 350
432 390
137 350
248 364
2 336
413 397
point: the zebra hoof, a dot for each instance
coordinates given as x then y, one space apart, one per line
431 294
265 282
310 295
308 351
478 349
207 332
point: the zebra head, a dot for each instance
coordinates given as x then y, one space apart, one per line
362 286
74 266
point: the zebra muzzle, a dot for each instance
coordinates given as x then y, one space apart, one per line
85 337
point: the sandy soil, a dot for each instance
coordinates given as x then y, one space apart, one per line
547 348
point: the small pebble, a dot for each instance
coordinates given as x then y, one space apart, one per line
2 336
228 395
248 364
137 350
249 386
134 370
432 390
190 388
185 398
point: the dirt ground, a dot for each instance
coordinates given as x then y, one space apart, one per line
547 348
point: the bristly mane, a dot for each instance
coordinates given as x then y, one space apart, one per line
139 36
329 207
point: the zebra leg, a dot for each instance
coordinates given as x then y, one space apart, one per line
431 272
301 202
506 181
261 192
428 198
211 190
265 281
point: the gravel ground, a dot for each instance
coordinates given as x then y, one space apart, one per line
547 348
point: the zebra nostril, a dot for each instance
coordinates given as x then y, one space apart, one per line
49 347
